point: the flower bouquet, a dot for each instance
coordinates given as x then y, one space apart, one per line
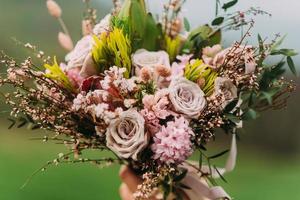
151 91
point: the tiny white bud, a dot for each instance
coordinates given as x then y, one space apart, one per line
53 8
65 41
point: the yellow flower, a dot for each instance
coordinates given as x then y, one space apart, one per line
55 73
113 48
196 70
172 46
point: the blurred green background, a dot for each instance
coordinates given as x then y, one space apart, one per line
268 164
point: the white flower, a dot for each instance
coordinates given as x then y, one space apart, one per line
187 97
100 109
214 56
114 76
226 88
103 26
126 135
149 59
77 57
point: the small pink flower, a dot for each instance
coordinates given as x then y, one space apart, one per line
151 121
214 56
74 76
148 101
172 144
177 69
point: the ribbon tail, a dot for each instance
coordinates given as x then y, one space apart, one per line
199 190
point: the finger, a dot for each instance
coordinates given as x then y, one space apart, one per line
185 197
125 193
129 178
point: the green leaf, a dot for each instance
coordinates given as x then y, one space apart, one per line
232 118
217 21
219 154
268 97
261 43
187 25
215 37
252 99
137 16
201 37
291 65
221 176
181 176
231 106
200 160
229 4
202 31
151 35
278 43
250 114
285 52
13 123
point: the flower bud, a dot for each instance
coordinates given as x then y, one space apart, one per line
53 8
201 82
163 71
145 74
65 41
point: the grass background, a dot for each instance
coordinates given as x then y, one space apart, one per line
268 166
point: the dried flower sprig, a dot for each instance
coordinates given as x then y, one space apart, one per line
64 38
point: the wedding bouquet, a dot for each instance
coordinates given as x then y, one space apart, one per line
151 91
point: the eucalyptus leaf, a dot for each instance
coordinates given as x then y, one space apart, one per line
261 43
13 122
291 65
229 4
278 43
232 118
285 52
219 154
187 25
250 114
217 21
221 176
268 97
231 106
181 176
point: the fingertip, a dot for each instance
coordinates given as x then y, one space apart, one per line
123 171
125 193
129 178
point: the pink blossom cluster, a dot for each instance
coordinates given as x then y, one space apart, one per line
172 144
156 108
114 79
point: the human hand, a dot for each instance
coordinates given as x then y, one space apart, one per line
130 183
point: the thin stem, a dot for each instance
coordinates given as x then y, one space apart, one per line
63 26
217 7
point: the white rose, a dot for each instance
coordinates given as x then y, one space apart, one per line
224 87
187 97
79 54
149 59
103 26
126 135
